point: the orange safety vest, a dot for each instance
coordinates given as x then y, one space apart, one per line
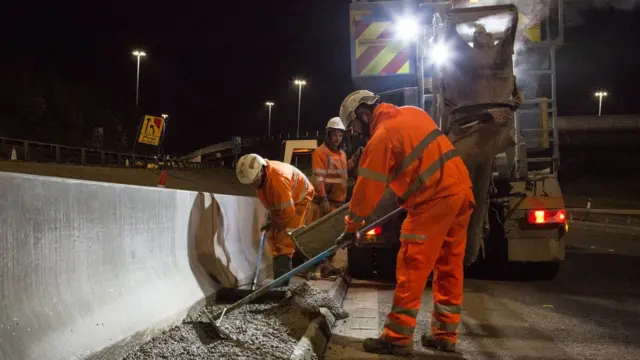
285 188
330 173
411 155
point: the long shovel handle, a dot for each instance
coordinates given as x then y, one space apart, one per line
312 262
259 259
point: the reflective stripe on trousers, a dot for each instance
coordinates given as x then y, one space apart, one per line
402 321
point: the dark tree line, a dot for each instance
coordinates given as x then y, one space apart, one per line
38 104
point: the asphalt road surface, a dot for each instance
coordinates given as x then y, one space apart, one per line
591 310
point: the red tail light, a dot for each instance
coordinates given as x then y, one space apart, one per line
375 231
547 217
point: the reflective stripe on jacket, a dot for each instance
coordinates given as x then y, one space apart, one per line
411 155
284 188
330 173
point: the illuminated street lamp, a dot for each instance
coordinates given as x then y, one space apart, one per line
300 84
269 104
600 95
138 54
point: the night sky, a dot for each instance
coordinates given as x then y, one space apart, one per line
212 67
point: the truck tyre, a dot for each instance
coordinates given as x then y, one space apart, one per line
385 261
360 260
546 270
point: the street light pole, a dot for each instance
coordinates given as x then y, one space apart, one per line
138 54
600 95
162 135
269 104
300 84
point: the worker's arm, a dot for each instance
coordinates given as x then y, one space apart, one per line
283 209
355 158
319 165
375 164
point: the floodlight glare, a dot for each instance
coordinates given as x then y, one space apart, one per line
439 53
406 29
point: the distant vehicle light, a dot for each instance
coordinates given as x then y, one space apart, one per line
375 231
547 217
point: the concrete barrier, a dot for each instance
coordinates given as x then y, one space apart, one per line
86 265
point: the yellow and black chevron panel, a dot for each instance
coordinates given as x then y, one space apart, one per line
375 51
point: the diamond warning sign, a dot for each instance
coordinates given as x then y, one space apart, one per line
151 130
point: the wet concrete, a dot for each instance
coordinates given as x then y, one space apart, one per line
258 331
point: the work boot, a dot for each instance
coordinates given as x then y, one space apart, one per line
382 346
281 265
437 344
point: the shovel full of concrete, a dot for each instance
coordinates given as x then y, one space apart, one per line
217 318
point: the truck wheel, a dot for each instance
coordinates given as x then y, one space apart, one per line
532 271
360 262
385 264
547 270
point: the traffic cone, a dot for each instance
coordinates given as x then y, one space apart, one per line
14 154
163 179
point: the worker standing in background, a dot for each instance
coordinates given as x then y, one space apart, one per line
330 175
286 192
417 161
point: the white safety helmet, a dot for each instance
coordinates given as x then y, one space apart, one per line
352 101
335 124
249 168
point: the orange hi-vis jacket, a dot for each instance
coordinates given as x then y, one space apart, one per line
409 153
330 173
286 193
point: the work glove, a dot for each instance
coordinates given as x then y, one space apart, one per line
324 208
347 239
266 226
352 226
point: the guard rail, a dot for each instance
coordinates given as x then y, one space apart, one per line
628 217
34 151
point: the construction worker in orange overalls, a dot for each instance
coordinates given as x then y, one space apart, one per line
417 161
330 175
286 192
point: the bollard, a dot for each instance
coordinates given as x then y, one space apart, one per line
14 154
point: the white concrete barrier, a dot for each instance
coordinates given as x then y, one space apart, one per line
85 265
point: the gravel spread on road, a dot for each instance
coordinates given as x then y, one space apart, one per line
257 331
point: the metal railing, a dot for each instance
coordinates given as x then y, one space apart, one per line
34 151
626 217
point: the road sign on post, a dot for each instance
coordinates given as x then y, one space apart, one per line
151 130
98 136
236 144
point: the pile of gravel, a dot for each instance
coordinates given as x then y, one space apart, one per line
257 331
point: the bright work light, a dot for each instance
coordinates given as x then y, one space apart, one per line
406 29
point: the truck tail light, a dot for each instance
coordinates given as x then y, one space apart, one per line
547 216
375 231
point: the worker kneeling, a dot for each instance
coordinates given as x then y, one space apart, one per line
286 192
415 159
330 174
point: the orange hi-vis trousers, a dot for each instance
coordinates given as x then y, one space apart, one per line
433 237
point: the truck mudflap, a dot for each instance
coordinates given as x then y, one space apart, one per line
322 234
